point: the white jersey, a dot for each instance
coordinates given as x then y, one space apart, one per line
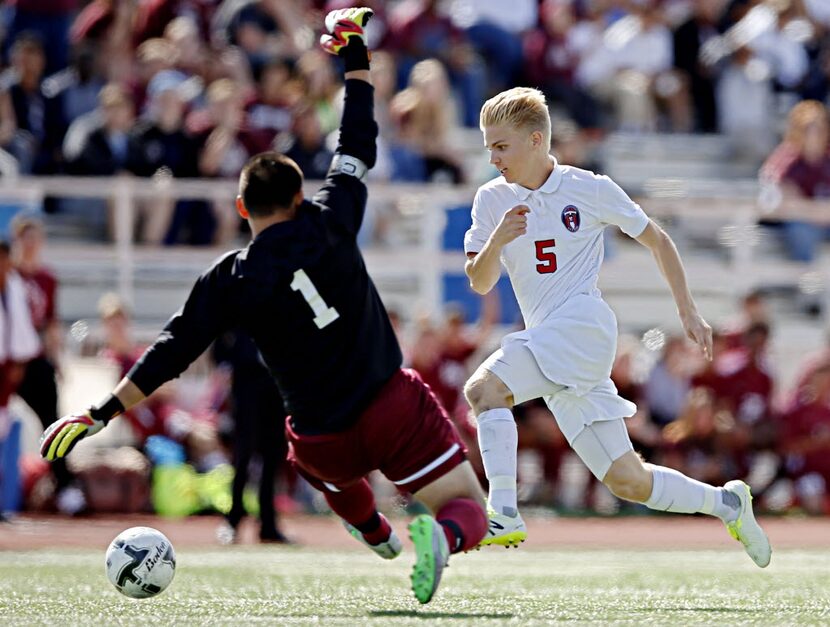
554 267
560 255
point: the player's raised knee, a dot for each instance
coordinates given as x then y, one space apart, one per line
474 391
628 481
485 391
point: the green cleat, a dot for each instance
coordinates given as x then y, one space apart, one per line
431 556
745 529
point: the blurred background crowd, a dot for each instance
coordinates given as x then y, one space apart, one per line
191 88
178 89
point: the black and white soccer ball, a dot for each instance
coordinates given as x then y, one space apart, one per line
140 562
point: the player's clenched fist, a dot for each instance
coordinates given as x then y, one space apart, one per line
62 436
343 26
513 224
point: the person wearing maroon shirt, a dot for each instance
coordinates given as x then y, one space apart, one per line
754 309
743 387
799 121
18 344
159 414
805 440
39 388
801 167
748 382
122 351
443 371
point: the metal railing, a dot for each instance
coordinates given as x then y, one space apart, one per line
423 205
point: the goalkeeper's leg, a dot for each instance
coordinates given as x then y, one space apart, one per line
457 502
356 506
459 523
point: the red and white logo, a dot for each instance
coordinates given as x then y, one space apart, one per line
570 218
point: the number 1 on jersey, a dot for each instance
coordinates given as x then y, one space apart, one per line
323 314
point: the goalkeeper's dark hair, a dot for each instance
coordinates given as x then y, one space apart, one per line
269 182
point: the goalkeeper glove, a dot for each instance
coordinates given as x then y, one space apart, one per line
346 26
62 436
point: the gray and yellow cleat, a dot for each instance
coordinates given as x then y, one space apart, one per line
432 552
745 529
504 530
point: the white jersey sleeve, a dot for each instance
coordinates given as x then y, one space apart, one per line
615 207
484 223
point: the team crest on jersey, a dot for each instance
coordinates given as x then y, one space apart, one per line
570 218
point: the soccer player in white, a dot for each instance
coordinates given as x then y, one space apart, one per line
544 222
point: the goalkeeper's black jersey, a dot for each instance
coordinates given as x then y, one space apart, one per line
301 290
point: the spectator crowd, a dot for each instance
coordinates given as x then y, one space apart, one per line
191 88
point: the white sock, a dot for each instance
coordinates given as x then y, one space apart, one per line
498 439
672 491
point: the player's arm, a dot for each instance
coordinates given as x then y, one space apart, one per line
345 190
668 260
205 315
483 268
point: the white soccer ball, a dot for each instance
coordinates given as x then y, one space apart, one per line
140 562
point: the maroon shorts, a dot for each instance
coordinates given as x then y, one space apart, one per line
404 433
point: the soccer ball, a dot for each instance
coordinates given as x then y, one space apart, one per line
140 562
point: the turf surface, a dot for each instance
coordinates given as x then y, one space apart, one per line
292 586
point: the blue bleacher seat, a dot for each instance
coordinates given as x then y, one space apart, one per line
457 290
458 221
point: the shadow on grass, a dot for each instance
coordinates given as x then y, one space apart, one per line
417 614
721 610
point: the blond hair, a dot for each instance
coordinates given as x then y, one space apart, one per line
111 305
801 117
112 95
423 119
427 71
520 107
221 89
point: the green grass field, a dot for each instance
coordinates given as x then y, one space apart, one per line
280 586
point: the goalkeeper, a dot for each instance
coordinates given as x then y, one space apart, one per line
301 290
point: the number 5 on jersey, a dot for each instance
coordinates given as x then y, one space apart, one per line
548 258
323 314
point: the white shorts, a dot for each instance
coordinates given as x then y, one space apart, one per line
517 368
600 444
575 346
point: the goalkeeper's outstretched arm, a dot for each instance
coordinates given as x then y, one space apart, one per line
345 191
186 335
